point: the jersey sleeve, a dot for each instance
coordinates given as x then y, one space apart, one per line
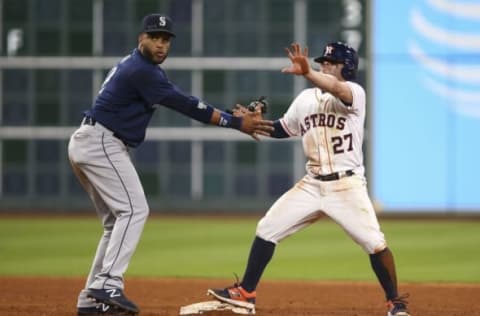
358 93
156 89
290 120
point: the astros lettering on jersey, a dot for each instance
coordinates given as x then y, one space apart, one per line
332 132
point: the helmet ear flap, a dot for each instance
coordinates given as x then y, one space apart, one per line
349 72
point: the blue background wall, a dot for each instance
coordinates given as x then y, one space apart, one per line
426 118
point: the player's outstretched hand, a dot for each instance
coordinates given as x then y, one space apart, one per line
299 59
239 110
253 123
258 104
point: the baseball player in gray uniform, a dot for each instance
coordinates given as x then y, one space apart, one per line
330 119
99 154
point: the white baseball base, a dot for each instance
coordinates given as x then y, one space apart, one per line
209 306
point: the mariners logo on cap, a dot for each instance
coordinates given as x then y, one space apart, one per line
157 22
162 21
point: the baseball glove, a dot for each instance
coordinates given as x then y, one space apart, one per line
259 104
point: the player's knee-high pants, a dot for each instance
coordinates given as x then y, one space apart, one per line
102 164
345 201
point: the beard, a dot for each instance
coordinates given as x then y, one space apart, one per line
151 56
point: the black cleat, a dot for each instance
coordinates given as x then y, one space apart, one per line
99 309
102 309
114 298
87 311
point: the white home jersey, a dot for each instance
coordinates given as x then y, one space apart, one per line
332 133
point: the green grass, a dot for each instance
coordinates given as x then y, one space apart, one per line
425 250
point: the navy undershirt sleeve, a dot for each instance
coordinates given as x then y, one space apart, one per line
278 131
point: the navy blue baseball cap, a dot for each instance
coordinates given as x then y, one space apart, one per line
157 22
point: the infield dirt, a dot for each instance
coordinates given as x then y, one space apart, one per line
161 297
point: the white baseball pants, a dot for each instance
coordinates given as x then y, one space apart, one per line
345 201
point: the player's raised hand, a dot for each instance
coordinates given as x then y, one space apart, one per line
299 59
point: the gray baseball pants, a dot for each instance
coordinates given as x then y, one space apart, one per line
103 166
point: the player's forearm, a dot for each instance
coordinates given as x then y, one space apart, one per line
321 80
208 114
224 119
330 84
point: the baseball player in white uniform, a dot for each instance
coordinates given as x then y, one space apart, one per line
330 119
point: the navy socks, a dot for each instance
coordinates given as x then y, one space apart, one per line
384 267
260 255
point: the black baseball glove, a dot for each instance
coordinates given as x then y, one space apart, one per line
259 104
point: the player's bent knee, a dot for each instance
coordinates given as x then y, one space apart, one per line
267 238
267 233
373 248
380 248
143 212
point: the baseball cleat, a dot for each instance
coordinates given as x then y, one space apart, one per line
92 311
398 306
102 309
98 310
235 295
113 298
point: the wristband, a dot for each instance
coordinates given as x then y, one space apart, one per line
230 121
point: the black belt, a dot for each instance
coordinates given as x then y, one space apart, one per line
335 175
88 120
